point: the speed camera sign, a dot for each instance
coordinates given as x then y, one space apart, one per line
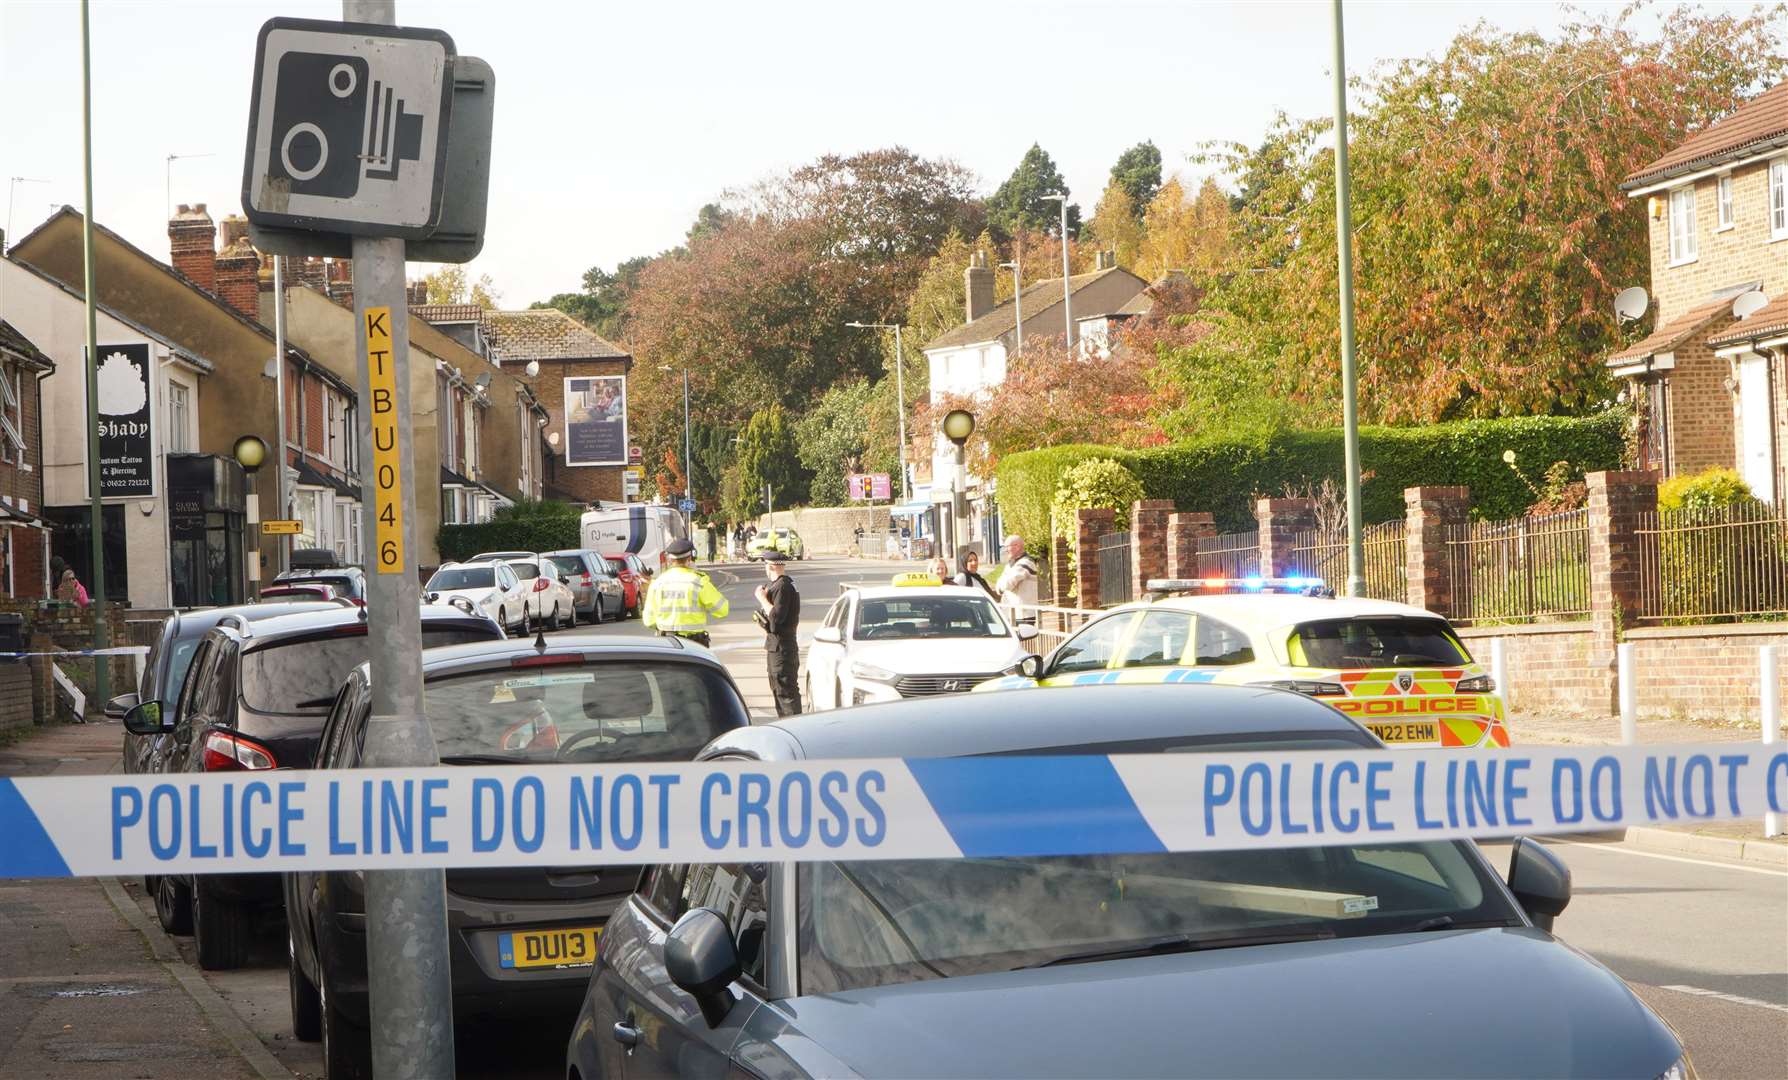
347 131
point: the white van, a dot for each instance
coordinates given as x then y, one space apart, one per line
644 530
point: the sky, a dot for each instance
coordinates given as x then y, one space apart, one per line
616 121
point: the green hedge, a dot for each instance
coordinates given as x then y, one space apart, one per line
1224 476
512 534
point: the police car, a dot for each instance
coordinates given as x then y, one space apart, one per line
915 637
1399 670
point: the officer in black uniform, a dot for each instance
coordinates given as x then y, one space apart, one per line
779 612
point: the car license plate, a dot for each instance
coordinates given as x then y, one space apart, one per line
1405 732
570 947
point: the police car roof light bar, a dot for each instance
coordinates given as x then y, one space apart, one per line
1307 586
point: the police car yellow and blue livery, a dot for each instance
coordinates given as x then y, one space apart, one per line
1399 670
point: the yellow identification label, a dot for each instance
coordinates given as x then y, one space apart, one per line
388 491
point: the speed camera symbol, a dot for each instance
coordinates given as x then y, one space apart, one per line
334 124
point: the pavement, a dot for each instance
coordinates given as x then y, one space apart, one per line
90 986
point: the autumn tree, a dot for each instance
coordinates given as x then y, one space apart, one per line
1019 202
1138 172
449 285
768 455
1490 232
1116 225
1185 234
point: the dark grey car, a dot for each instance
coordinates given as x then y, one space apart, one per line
597 590
1225 964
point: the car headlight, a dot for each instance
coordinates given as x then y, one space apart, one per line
1682 1070
1308 687
1477 684
861 670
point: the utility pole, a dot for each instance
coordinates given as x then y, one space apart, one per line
899 393
408 969
1017 304
1350 405
1067 286
282 508
688 465
102 676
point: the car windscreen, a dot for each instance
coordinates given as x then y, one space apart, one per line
568 564
866 924
595 711
615 566
342 583
901 617
462 577
1375 642
525 569
303 675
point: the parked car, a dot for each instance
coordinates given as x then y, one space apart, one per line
913 638
633 528
490 587
1248 963
1399 670
599 593
255 698
781 538
635 577
578 699
349 581
550 603
300 590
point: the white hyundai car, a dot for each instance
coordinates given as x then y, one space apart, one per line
915 638
491 587
550 602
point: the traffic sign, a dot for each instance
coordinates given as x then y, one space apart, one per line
347 128
277 527
686 505
634 455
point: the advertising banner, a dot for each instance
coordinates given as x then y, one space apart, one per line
126 439
596 420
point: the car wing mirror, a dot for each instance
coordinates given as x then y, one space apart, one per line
830 635
702 960
1026 631
118 706
1540 881
144 718
1031 667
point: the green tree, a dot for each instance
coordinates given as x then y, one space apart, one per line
1116 224
450 285
1019 202
768 455
839 436
602 304
1138 172
710 219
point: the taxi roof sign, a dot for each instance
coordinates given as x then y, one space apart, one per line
916 579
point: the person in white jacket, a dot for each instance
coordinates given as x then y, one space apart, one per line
1018 584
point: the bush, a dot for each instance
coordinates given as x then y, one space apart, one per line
1223 476
1708 490
1713 572
1094 484
543 532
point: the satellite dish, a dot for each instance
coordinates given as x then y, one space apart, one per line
533 368
1630 304
552 438
1745 305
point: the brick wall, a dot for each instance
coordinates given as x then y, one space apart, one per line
585 483
1723 258
1701 422
1280 522
1430 513
28 570
1148 542
315 419
1183 533
1089 525
192 244
15 696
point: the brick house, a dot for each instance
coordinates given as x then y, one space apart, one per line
1714 371
24 538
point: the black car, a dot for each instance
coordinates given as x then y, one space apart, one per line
255 698
347 581
1266 962
522 939
165 668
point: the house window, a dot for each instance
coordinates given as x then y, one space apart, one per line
1724 190
332 440
1778 198
178 413
347 531
310 516
1682 225
12 417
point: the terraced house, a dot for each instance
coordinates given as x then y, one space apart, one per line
1715 370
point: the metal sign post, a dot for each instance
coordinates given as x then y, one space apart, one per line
348 148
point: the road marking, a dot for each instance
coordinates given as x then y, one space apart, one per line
1622 850
1733 998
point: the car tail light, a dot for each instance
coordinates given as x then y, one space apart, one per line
1477 684
589 580
228 752
540 583
358 602
1310 688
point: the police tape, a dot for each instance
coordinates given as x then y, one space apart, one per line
116 650
895 808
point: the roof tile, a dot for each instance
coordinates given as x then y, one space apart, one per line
1675 332
545 334
1768 321
1036 299
1761 120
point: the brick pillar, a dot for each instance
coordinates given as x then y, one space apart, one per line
1429 514
1148 542
1061 572
1183 533
1280 521
1619 505
1090 524
192 244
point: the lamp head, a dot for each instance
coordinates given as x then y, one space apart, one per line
958 425
249 452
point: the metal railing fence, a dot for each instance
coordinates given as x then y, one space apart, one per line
1114 569
1229 554
1521 570
1715 564
1323 553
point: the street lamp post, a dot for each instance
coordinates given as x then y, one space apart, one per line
1350 404
958 425
1067 288
688 468
1017 304
899 393
249 453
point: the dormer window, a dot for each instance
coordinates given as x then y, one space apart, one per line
1682 225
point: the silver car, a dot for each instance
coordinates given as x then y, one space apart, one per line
598 592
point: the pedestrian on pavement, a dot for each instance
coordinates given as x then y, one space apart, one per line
779 612
970 561
69 589
682 600
940 568
712 540
1018 585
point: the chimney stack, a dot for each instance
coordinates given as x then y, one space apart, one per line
1105 260
192 243
418 292
237 275
977 282
340 287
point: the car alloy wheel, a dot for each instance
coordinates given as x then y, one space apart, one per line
173 904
